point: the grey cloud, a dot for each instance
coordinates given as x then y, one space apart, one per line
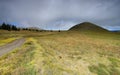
60 14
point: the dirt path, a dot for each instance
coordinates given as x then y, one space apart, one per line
11 46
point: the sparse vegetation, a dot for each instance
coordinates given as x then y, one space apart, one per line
64 53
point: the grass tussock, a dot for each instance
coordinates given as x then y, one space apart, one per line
102 69
6 40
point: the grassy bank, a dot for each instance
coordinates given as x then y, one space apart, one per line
7 40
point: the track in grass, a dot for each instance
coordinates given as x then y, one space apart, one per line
7 48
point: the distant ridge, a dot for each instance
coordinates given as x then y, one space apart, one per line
87 26
35 28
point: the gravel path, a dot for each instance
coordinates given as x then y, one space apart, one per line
11 46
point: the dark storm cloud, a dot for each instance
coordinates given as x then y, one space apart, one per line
61 14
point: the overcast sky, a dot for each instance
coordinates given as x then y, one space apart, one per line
60 14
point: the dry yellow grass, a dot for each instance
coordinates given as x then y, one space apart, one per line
19 61
67 53
74 53
5 41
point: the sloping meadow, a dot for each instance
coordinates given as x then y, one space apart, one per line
65 53
72 53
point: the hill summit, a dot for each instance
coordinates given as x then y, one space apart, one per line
87 26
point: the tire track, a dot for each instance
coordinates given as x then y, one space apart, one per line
11 46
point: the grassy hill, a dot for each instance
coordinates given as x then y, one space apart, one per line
87 26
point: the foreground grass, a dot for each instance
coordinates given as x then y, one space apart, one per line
19 61
64 53
78 54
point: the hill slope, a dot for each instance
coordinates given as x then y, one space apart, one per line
87 26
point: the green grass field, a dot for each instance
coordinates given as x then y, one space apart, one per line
62 53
